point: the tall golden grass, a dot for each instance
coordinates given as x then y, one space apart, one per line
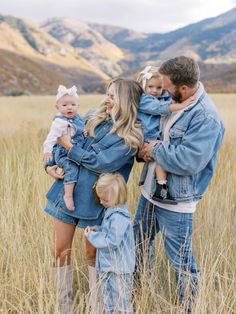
26 232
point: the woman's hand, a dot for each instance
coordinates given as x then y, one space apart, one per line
52 171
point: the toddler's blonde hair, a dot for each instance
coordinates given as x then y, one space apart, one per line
148 73
115 186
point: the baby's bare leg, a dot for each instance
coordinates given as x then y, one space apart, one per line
68 197
161 174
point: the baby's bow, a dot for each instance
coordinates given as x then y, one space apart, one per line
146 75
62 91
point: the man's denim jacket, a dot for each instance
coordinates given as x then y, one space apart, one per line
106 152
114 241
190 155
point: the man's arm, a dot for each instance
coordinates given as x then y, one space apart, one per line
195 151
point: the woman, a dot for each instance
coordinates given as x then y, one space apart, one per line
114 138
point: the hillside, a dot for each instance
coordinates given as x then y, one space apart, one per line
88 43
24 75
212 40
33 61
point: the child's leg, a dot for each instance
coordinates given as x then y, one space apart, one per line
160 175
162 194
116 292
70 178
68 197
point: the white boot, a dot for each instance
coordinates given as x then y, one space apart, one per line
63 284
95 300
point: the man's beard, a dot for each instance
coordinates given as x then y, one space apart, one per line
176 96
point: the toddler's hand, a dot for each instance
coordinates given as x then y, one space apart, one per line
187 102
86 231
47 157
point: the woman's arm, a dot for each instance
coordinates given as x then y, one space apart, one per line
105 160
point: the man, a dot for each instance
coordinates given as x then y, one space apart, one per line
188 152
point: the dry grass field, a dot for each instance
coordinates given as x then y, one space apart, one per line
26 232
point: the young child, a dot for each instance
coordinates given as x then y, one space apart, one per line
65 121
154 103
114 240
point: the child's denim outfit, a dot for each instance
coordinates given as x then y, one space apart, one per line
115 258
149 112
60 153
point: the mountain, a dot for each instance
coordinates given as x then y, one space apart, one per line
212 40
35 59
87 43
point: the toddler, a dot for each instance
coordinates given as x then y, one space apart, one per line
156 102
65 121
114 240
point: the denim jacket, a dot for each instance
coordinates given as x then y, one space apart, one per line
149 112
106 152
190 155
114 241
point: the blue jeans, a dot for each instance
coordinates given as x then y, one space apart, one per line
176 229
71 170
116 292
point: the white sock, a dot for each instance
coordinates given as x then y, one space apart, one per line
162 182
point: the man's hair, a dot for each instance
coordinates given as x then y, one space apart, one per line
181 70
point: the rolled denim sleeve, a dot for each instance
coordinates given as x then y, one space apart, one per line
113 237
199 144
151 105
107 160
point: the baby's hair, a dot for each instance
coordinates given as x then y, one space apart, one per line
114 184
148 73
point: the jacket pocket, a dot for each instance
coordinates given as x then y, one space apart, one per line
180 187
176 134
98 147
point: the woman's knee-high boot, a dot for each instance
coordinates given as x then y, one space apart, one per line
63 284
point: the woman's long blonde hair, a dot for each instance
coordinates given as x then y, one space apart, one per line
124 113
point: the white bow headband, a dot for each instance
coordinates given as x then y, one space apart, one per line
146 75
62 91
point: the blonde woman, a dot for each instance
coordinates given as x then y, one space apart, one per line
114 240
114 136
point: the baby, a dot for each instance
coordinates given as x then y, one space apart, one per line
66 121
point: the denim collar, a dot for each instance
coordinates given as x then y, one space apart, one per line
122 209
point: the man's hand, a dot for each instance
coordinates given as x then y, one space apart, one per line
146 150
52 171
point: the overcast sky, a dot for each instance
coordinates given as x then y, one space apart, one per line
140 15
